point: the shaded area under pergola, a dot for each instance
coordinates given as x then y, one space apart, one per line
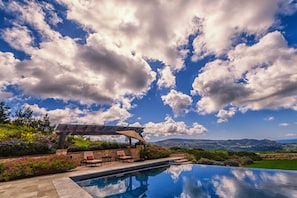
63 130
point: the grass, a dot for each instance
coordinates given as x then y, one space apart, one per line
275 164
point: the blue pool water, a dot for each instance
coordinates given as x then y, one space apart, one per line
201 181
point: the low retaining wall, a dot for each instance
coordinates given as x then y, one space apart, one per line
78 156
279 156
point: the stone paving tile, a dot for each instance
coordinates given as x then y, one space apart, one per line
50 193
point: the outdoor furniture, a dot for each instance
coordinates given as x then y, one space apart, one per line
123 157
89 159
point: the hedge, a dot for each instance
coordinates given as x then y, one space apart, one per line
29 167
154 152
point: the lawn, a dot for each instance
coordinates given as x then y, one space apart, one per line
275 164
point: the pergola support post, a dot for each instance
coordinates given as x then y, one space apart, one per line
62 139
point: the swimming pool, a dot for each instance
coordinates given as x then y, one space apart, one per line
195 181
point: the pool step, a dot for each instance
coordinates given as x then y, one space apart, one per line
182 161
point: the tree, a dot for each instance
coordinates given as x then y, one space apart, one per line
25 117
4 113
44 124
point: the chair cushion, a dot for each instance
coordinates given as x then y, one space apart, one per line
120 153
90 157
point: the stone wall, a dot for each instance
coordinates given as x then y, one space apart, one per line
98 154
279 156
77 157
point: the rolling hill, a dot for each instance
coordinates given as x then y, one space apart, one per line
230 145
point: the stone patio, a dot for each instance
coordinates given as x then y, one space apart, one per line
60 185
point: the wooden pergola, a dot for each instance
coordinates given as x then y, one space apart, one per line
63 130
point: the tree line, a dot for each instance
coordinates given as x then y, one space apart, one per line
24 117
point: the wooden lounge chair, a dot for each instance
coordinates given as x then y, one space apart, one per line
89 159
122 156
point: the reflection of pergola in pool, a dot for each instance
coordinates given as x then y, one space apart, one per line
139 187
63 130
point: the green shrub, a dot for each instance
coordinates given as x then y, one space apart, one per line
81 144
155 152
217 156
21 148
209 162
251 155
2 167
246 161
28 167
190 157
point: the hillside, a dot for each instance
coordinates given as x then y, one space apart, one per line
287 141
231 145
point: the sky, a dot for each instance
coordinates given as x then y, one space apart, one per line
193 69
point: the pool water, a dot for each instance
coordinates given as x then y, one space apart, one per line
196 181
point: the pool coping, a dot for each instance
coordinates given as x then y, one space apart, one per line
67 188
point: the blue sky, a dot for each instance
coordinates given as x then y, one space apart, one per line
187 69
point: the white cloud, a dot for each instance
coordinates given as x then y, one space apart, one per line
104 69
7 64
270 118
100 71
283 124
33 13
178 101
252 78
75 115
225 115
170 127
291 135
157 28
220 29
65 115
97 72
166 79
19 38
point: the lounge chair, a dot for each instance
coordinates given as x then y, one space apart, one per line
122 156
89 159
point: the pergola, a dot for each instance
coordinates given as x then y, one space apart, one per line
63 130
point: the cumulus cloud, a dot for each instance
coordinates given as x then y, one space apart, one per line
104 68
178 101
170 127
7 64
19 38
99 71
251 78
219 30
166 79
156 30
120 36
152 25
76 115
160 30
96 72
32 13
225 115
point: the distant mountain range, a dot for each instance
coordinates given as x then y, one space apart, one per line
288 141
230 145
